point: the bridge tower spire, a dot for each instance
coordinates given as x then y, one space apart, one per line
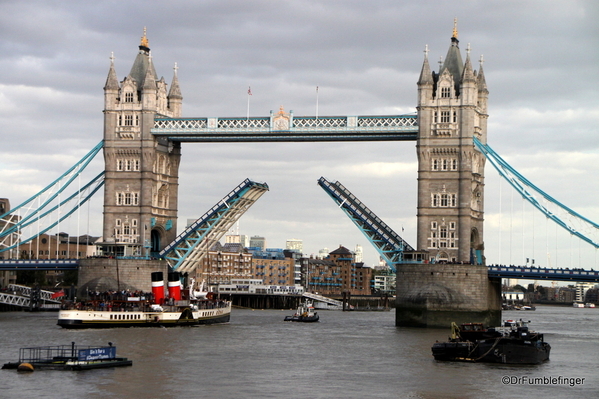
142 172
452 106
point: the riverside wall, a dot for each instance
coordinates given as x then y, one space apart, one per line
435 295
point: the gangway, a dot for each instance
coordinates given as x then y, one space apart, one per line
324 299
386 241
185 253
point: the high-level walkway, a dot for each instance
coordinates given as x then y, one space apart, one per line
283 127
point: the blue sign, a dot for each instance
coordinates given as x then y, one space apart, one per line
108 352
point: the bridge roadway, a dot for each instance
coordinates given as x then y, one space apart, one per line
543 273
38 264
519 272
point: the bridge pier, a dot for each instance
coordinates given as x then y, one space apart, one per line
435 295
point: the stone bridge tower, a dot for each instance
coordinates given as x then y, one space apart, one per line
452 285
142 172
452 108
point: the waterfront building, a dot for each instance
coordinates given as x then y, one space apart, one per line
60 246
337 273
224 263
258 242
295 244
321 276
384 282
238 239
323 253
581 290
359 254
274 267
8 277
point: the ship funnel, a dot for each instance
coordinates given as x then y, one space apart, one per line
158 287
174 286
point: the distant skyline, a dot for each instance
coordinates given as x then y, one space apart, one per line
540 64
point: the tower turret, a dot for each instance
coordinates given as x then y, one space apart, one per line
175 99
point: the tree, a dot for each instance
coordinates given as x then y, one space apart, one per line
518 287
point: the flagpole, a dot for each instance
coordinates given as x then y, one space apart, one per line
249 94
316 102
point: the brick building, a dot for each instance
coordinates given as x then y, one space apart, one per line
337 273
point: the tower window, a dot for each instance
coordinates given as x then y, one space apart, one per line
128 120
128 97
445 92
444 116
444 200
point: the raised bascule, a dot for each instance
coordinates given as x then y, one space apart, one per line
441 279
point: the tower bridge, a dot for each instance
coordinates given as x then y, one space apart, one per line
444 280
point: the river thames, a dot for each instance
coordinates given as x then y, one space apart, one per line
345 355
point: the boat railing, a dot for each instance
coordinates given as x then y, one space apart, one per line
140 305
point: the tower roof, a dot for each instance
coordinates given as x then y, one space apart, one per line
453 60
143 63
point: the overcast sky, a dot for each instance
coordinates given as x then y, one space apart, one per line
541 66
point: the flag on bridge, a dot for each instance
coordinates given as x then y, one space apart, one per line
57 294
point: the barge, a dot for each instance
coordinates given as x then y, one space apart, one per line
513 343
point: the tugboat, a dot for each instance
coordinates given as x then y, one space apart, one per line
305 313
199 307
513 343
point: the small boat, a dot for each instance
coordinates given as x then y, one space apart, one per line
305 313
513 343
193 308
67 357
589 305
578 305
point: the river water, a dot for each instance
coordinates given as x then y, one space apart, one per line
257 355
